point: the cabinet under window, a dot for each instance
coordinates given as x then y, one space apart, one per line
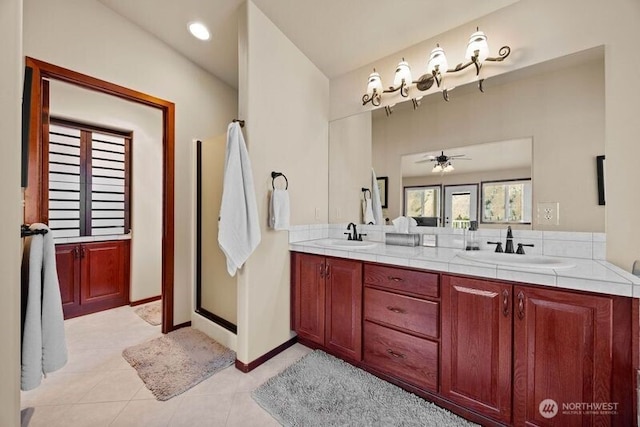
88 179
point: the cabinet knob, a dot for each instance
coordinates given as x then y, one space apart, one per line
395 279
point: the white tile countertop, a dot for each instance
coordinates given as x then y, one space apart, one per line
591 275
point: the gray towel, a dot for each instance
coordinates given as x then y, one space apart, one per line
44 347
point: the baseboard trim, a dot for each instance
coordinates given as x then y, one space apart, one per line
247 367
181 325
146 300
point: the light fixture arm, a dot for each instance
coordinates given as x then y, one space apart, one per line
374 98
403 88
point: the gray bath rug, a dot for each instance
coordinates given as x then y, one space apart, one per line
172 364
151 313
321 390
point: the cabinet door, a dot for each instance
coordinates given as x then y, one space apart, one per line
309 297
476 345
562 352
343 313
105 275
68 267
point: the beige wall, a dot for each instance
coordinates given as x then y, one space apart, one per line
87 106
539 30
349 166
11 71
80 35
563 111
290 137
218 289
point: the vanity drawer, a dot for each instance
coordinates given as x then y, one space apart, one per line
412 314
410 281
411 359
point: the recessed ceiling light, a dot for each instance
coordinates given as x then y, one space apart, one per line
199 30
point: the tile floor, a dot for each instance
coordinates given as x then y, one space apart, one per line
98 387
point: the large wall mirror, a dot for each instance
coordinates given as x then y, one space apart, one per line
530 141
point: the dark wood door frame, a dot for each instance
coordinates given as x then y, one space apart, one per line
36 198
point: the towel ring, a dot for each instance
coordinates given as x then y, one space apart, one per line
365 191
274 175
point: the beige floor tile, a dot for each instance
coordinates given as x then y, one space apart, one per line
61 388
245 412
116 386
223 382
210 410
147 413
93 414
44 416
98 387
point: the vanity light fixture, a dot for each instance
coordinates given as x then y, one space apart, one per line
477 53
199 31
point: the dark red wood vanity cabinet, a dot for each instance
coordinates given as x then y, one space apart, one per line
490 350
477 345
507 348
327 303
562 350
93 276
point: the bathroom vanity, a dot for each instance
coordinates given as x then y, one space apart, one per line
488 349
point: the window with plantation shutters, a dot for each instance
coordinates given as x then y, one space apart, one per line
88 180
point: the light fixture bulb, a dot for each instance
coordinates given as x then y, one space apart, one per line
448 168
478 42
437 168
374 83
199 31
437 59
403 72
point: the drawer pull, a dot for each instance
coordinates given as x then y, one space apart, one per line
396 310
395 279
396 355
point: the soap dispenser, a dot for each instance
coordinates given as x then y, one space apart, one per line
471 237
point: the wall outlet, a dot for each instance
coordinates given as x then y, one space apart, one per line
317 213
549 213
338 213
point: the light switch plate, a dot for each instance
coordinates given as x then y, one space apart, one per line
549 213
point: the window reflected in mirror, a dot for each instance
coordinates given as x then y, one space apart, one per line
423 204
507 202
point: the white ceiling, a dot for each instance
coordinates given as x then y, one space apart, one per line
490 156
336 35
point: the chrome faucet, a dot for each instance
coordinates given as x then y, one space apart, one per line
508 249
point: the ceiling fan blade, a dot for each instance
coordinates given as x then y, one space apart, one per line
424 161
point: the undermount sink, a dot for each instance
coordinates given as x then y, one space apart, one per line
516 260
345 244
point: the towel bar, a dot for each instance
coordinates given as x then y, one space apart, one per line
26 231
274 175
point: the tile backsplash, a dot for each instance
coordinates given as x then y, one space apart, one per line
553 243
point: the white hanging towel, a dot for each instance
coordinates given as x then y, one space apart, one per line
375 200
239 227
279 209
367 210
44 347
